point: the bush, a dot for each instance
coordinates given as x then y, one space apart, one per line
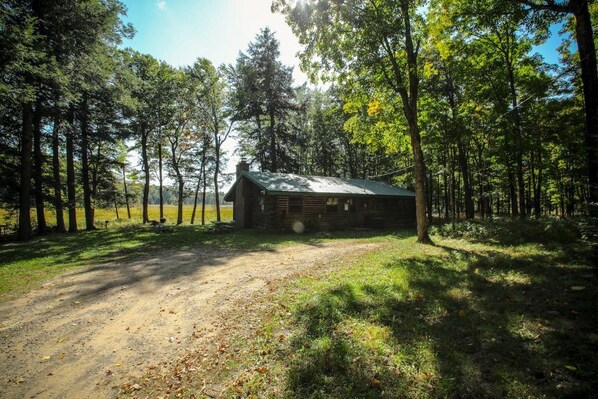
515 231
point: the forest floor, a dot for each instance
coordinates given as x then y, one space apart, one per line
86 331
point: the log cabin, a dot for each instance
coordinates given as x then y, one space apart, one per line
284 201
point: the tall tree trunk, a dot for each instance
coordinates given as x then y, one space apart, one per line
146 172
203 196
181 198
60 227
94 177
38 160
126 191
89 222
199 180
538 193
216 193
464 166
70 170
273 163
512 192
195 198
160 178
589 77
430 185
518 129
24 232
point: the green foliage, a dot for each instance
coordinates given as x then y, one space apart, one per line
262 99
506 231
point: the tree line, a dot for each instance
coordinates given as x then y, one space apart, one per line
447 98
455 86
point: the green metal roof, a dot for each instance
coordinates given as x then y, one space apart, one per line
289 184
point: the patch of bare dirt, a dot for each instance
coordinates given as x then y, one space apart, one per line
96 328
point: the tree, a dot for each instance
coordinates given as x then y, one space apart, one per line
211 107
378 42
548 10
262 98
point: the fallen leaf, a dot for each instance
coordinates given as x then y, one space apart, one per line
570 368
118 364
461 313
46 358
577 288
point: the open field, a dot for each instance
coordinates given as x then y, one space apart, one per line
101 215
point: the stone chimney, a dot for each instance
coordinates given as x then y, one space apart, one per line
242 166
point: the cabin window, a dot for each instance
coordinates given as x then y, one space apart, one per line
295 205
332 205
350 205
262 204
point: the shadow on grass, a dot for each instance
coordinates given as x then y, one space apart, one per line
468 325
145 250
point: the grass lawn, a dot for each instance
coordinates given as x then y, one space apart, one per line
508 316
493 310
26 265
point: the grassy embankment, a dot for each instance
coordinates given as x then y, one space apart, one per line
493 310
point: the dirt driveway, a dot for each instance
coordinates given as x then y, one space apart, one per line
94 328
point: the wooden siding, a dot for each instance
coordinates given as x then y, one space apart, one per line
271 212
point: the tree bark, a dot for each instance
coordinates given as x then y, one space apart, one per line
409 99
70 170
589 77
216 172
60 227
24 232
38 160
146 172
273 163
126 191
203 196
89 222
199 180
518 139
160 178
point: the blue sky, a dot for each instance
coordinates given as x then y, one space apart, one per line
180 31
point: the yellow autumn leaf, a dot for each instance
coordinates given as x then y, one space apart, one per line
374 108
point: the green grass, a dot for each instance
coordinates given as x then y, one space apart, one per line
102 215
26 265
459 319
486 312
